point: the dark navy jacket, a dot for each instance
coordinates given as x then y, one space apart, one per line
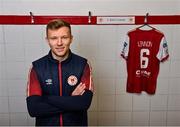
50 86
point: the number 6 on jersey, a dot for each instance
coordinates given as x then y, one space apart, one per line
144 59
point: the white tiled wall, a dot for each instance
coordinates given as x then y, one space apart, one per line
111 105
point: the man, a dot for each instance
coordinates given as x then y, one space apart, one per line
60 87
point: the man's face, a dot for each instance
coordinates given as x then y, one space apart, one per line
59 41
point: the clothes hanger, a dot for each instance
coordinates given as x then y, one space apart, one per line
146 26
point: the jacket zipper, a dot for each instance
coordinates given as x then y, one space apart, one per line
60 90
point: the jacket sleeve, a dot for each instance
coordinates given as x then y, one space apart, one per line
71 103
80 102
37 107
36 104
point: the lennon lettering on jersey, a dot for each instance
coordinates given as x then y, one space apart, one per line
144 44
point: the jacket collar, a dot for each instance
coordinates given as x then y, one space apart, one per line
50 57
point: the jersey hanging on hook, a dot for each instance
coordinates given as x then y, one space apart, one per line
143 51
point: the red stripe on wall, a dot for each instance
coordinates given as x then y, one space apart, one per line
168 19
40 20
82 20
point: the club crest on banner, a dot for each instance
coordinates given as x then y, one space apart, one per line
72 80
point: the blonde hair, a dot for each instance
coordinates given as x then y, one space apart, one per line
56 24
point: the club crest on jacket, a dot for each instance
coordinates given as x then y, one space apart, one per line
72 80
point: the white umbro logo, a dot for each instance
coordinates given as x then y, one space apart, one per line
48 81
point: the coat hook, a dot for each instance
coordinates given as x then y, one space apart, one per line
146 18
89 17
32 17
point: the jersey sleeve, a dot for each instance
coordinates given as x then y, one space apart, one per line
163 53
33 86
87 77
125 48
